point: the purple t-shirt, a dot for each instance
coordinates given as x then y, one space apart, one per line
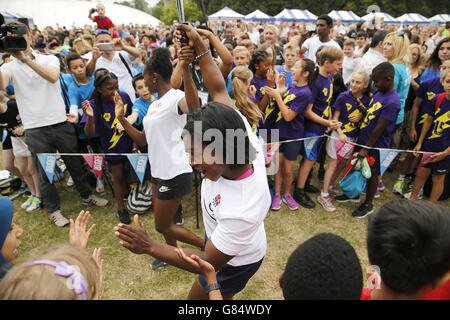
271 110
438 137
346 104
322 91
427 91
111 140
383 105
297 99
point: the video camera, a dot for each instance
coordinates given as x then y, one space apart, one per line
12 43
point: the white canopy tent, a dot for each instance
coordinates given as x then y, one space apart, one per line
295 15
258 15
386 17
71 13
226 14
440 18
412 18
345 16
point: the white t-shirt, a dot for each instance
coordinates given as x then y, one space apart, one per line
348 66
314 43
234 211
254 36
39 101
163 127
117 67
370 60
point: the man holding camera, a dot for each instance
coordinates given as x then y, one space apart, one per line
38 93
116 57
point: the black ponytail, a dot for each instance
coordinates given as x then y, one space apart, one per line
309 66
258 57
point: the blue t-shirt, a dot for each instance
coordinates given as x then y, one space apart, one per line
402 82
289 75
429 73
67 81
141 107
322 91
383 105
78 94
138 70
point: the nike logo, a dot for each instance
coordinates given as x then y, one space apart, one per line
164 189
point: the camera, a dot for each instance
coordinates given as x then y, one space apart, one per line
12 43
94 10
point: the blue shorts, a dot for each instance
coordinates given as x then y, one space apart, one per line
232 279
314 153
291 150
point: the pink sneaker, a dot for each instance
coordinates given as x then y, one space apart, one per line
276 202
289 200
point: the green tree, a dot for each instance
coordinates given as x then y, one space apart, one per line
192 12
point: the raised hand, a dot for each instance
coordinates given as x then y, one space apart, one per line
87 109
186 55
135 239
118 105
78 236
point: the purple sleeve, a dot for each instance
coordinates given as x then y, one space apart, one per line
421 92
339 104
391 108
430 108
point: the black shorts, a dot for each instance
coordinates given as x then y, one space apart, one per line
375 168
7 144
439 168
174 188
291 150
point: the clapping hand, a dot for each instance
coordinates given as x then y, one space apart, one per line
196 261
118 105
135 239
78 236
87 109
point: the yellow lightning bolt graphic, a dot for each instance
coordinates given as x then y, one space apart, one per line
440 124
117 134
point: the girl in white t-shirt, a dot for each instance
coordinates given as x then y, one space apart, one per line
235 192
171 174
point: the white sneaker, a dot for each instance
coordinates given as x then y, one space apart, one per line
27 203
59 219
326 203
35 205
70 181
93 199
419 196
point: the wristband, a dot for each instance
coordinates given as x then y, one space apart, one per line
25 60
212 287
201 55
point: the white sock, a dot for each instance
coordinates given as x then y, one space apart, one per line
324 195
401 177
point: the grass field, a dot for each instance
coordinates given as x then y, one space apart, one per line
128 276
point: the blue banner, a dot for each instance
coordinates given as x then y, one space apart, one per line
48 162
139 163
309 145
386 158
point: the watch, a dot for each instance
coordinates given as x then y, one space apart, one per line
25 60
212 287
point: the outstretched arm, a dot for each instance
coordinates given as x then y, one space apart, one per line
212 77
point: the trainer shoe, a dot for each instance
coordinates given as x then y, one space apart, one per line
178 217
311 189
344 198
27 203
158 264
124 216
93 199
35 205
326 203
407 195
302 198
290 202
276 203
59 219
363 210
334 192
398 187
